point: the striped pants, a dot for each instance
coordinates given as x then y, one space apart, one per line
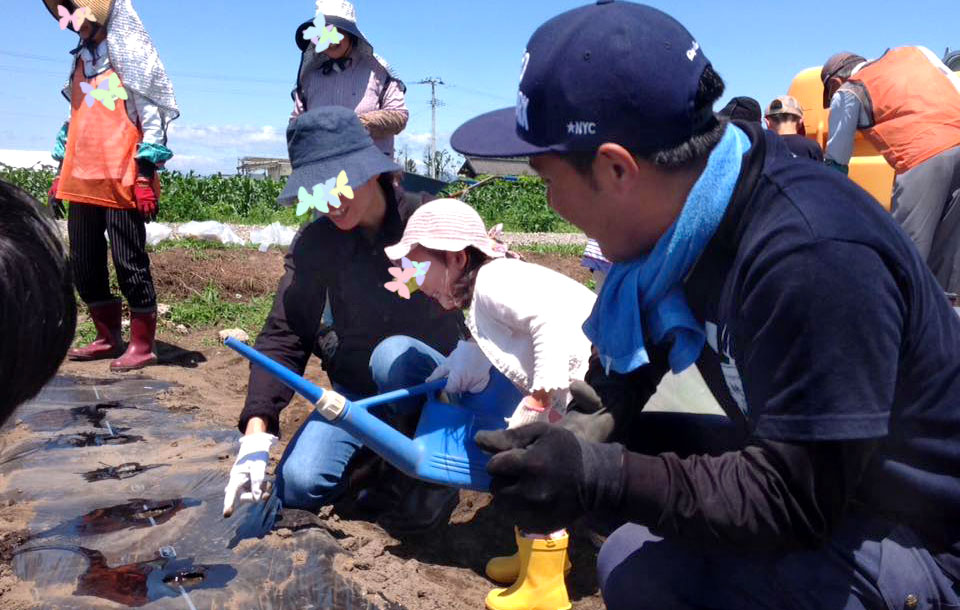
128 244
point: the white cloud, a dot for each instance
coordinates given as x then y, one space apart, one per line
225 135
201 164
208 149
413 140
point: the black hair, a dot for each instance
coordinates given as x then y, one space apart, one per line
462 290
688 152
783 117
38 310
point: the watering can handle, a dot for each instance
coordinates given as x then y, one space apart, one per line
424 388
313 392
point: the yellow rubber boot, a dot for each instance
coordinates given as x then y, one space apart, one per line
540 584
505 570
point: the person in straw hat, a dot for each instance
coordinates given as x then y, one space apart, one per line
121 102
349 74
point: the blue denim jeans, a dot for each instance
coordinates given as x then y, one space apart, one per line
868 564
310 473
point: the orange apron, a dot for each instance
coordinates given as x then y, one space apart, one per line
914 107
99 166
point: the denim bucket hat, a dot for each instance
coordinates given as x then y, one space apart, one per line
325 141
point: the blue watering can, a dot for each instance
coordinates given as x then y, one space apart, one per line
442 450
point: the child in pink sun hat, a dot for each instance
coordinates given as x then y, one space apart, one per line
525 321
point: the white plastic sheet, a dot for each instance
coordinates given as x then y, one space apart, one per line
273 235
157 233
210 230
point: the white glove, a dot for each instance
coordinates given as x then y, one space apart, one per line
247 474
528 412
466 369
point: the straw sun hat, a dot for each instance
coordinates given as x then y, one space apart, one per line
100 8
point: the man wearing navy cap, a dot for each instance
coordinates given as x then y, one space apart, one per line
834 480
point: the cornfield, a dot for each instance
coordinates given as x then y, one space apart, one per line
186 197
35 181
520 205
237 199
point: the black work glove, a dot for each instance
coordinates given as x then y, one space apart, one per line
603 406
587 416
601 411
547 477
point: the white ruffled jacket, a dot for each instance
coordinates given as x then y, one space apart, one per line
527 320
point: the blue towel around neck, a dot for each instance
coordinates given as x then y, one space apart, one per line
649 291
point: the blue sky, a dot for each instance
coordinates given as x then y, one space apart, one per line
233 63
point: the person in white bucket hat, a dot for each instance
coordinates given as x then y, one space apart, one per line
349 74
525 322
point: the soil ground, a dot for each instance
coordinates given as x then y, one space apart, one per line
442 570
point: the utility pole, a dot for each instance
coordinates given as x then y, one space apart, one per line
433 81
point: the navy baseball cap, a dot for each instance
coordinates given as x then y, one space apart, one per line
608 72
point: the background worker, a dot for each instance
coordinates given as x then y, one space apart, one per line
742 108
109 151
350 74
907 103
785 118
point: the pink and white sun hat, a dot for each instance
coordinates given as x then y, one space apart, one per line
448 225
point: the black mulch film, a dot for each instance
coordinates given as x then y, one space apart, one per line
127 499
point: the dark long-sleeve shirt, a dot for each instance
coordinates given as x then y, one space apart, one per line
832 346
351 269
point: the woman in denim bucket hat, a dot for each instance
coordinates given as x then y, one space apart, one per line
339 259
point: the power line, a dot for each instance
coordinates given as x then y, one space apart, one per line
36 57
213 77
481 93
216 77
63 77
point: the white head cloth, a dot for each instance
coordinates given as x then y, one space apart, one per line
346 11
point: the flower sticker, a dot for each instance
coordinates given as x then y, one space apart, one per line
77 18
116 92
107 92
321 34
325 195
342 187
420 269
89 99
401 278
496 236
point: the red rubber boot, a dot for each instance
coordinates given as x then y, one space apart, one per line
109 341
143 330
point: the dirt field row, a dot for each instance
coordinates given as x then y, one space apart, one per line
443 570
